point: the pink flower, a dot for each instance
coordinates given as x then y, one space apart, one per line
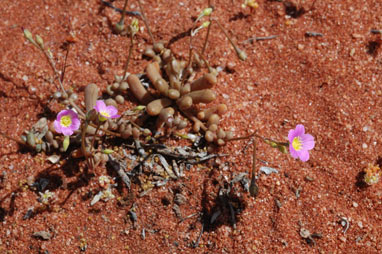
67 122
106 112
300 143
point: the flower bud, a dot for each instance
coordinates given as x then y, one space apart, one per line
139 108
40 41
66 143
119 27
241 54
28 35
206 24
271 143
282 148
107 151
134 26
205 12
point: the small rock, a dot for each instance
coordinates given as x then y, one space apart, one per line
355 204
304 233
343 239
352 52
231 66
356 36
43 235
309 179
30 180
360 225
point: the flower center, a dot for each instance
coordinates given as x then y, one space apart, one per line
66 121
105 113
296 143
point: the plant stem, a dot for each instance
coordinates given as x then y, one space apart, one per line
145 21
206 62
229 38
123 13
207 36
129 56
83 143
56 73
95 135
107 131
253 189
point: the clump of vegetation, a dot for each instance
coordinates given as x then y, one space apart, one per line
172 94
372 174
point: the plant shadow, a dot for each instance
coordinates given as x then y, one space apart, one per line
220 204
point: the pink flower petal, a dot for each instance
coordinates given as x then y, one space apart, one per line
61 114
303 155
300 129
113 112
100 106
293 152
67 131
75 124
57 126
291 135
307 141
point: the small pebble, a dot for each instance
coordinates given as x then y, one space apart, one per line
123 86
309 179
43 235
119 99
352 51
356 36
304 233
360 225
355 204
111 102
231 66
364 146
